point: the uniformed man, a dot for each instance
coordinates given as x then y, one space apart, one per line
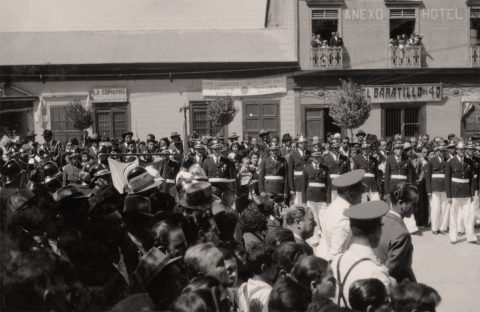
221 173
317 190
359 260
336 234
459 173
471 153
371 179
296 163
336 162
435 187
71 172
197 158
168 169
273 175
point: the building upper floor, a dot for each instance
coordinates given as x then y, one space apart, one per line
377 34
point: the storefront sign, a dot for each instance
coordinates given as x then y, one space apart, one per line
404 93
244 87
106 95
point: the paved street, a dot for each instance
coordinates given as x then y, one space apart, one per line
453 270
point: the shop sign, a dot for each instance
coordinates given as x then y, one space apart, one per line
404 93
244 87
108 95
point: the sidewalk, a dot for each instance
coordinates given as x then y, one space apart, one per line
453 270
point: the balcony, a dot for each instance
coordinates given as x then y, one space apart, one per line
475 56
327 58
406 57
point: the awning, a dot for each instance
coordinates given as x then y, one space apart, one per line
469 102
13 99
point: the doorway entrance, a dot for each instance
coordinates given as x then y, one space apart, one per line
317 122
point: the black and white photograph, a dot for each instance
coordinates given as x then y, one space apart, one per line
240 155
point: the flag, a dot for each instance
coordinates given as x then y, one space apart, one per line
469 102
118 170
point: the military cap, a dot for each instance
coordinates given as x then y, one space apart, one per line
263 132
348 179
316 154
367 211
301 139
460 145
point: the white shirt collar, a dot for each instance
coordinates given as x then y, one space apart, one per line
395 213
460 158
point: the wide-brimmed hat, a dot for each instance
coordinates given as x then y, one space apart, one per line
286 137
47 133
127 133
94 137
136 205
366 145
370 210
199 145
302 139
317 154
197 196
349 179
460 145
139 180
174 134
263 132
152 264
407 146
397 145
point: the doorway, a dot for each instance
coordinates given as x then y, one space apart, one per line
316 121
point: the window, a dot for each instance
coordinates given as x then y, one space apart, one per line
324 22
317 122
111 121
471 122
62 127
259 115
402 22
407 121
199 121
475 26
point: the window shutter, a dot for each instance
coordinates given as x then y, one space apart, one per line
475 13
402 13
324 14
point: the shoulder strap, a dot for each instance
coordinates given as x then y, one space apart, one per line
341 282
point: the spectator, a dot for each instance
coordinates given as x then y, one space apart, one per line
410 297
300 222
205 260
315 274
368 295
288 295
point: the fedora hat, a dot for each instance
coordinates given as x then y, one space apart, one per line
47 133
127 133
139 180
152 264
136 205
302 139
215 144
263 132
274 146
198 196
361 132
286 137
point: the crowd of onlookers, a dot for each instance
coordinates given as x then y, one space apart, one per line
402 41
334 41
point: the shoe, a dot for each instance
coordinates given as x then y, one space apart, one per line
460 233
475 242
435 232
444 232
453 243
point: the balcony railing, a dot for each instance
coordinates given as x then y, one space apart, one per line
406 57
327 58
475 56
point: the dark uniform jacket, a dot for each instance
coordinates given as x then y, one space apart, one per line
224 169
269 168
320 175
395 249
296 163
192 160
370 166
393 168
433 171
341 166
459 171
476 172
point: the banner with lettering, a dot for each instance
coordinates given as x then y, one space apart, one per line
404 93
244 87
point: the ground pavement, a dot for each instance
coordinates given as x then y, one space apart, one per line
453 270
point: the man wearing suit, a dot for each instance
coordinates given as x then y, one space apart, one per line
93 150
395 249
337 164
273 175
296 163
459 185
221 173
435 187
371 178
198 157
335 40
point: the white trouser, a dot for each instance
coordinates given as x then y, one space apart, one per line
439 212
475 208
318 210
334 195
370 196
461 209
298 199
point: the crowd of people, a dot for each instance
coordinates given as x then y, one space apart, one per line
213 224
335 41
402 41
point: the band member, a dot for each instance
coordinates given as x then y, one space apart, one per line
221 173
317 190
371 179
435 186
296 163
459 173
273 175
337 164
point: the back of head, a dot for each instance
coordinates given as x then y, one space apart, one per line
286 255
200 300
310 269
258 255
278 236
193 256
288 295
293 214
367 294
410 296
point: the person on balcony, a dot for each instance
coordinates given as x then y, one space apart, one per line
316 41
335 40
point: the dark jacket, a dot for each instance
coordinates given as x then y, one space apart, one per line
296 163
394 168
224 169
316 194
435 183
270 168
395 249
371 168
454 169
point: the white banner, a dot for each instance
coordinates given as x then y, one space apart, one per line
106 95
244 87
404 93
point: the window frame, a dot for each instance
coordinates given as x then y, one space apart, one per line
317 8
260 102
67 132
111 107
415 18
212 131
422 107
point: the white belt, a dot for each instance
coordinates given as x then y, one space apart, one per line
369 175
333 176
170 181
398 177
220 180
274 178
298 173
316 184
463 181
438 175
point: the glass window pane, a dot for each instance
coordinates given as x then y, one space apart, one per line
252 110
270 123
269 109
252 124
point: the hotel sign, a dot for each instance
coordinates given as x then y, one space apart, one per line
108 95
404 93
244 87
